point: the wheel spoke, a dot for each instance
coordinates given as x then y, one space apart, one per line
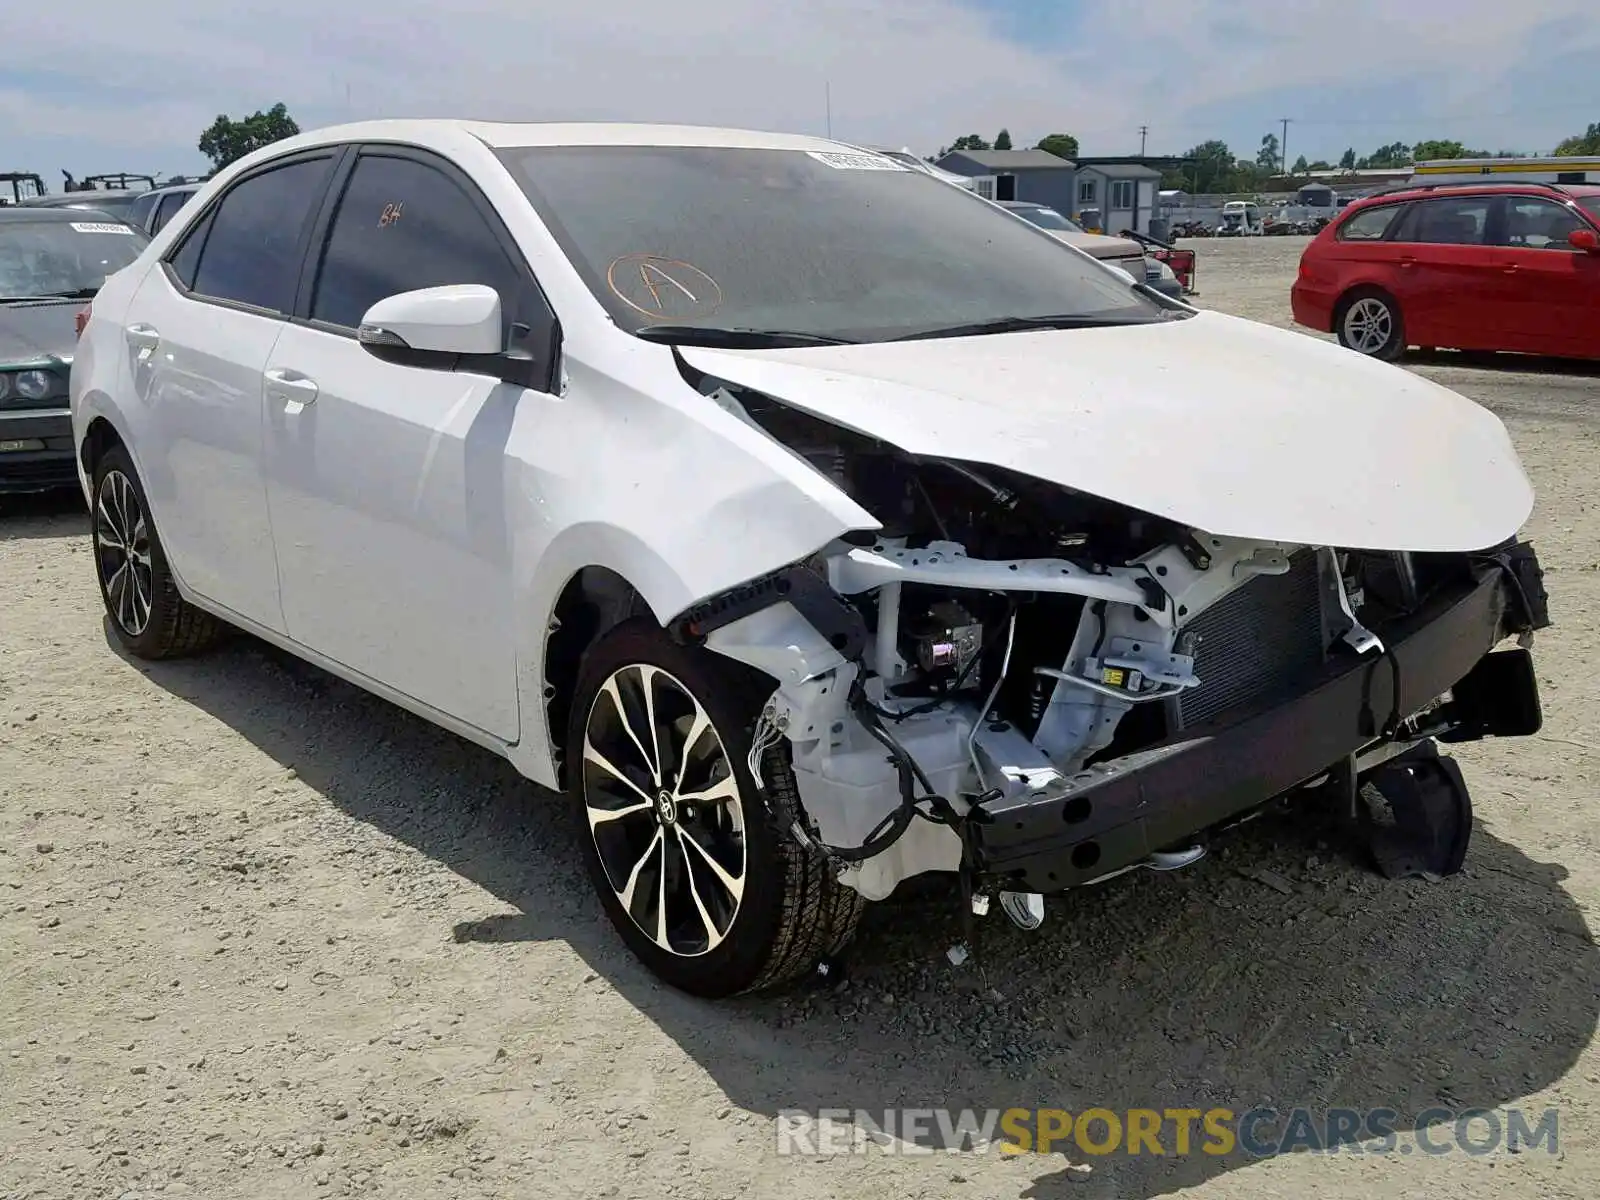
626 894
713 934
125 595
698 728
734 885
141 597
590 754
647 685
722 789
139 543
661 897
610 688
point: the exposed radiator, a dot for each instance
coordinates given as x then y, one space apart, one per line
1257 643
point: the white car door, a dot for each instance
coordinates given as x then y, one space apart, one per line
386 482
199 332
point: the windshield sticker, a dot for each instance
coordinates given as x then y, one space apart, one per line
390 214
841 161
101 227
663 289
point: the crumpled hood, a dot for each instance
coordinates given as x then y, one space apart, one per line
1229 426
30 332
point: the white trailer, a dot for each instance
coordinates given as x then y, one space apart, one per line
1554 169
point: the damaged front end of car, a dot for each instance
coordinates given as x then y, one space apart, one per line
1038 689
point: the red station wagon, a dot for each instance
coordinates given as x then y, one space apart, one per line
1512 267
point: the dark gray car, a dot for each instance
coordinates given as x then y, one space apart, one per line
115 201
52 262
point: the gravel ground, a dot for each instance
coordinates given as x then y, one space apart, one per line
264 935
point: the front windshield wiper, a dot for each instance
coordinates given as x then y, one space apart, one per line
735 338
1017 325
81 294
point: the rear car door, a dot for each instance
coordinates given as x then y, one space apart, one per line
1451 291
387 482
199 332
1553 288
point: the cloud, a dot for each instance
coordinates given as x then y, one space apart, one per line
124 94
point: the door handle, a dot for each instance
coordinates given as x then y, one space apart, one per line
1407 261
143 339
293 388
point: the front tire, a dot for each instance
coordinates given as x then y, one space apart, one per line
147 614
1368 322
696 867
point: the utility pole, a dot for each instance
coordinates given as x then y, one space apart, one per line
1143 131
1283 147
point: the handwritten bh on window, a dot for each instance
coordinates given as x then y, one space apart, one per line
390 214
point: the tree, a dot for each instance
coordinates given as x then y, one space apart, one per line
1395 154
1062 145
1424 151
1587 142
971 142
1002 140
1210 167
1267 156
1320 164
228 140
1347 160
1301 166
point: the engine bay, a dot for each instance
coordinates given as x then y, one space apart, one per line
1016 634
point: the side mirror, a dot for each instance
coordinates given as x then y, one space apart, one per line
1584 239
414 327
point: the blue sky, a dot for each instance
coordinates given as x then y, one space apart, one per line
133 95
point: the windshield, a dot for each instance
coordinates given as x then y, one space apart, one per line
63 258
844 246
1046 218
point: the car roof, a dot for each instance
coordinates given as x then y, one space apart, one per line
49 213
1507 188
1022 204
67 199
516 134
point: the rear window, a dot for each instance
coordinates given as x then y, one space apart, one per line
1369 225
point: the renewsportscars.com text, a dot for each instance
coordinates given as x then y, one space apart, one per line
1258 1132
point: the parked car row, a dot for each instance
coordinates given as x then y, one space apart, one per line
812 525
52 259
1127 255
1483 267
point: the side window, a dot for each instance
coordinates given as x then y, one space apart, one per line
1536 224
1369 226
251 255
170 204
1458 221
402 225
187 257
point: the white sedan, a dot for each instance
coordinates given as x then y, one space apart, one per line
811 523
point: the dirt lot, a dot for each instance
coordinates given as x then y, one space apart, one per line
263 935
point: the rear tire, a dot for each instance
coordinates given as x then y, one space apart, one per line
696 867
1368 321
141 598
